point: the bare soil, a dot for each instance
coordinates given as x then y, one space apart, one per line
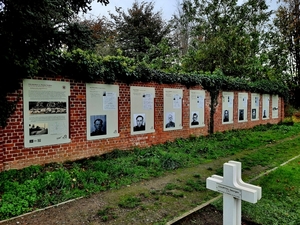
208 215
156 206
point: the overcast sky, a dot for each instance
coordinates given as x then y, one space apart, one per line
167 7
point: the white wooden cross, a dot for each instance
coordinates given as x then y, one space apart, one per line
234 190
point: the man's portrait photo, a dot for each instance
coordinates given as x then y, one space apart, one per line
139 123
226 116
241 114
253 113
98 125
265 113
170 117
195 116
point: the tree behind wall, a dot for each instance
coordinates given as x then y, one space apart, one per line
227 36
29 30
288 23
133 28
103 35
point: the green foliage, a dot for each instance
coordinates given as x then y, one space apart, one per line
86 66
286 44
195 185
6 109
162 56
40 186
18 198
30 30
139 25
228 36
281 193
129 202
107 214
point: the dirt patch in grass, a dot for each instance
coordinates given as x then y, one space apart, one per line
209 215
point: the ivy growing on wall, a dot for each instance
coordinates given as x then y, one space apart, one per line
88 67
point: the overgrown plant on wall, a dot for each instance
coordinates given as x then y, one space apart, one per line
88 67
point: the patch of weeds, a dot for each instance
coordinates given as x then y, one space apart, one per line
154 192
170 186
129 202
177 195
173 193
143 207
197 185
144 195
188 188
219 171
197 176
107 214
170 162
18 198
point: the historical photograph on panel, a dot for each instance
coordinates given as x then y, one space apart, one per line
139 122
47 107
98 125
38 129
170 117
253 114
226 115
195 118
241 114
264 113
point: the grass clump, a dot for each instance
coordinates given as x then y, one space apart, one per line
107 214
129 202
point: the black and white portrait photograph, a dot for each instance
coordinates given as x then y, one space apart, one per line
139 122
98 125
253 114
226 116
241 114
195 118
170 117
264 113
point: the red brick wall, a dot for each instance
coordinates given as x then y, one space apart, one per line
14 155
218 126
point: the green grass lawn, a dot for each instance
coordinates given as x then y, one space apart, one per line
265 146
280 203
